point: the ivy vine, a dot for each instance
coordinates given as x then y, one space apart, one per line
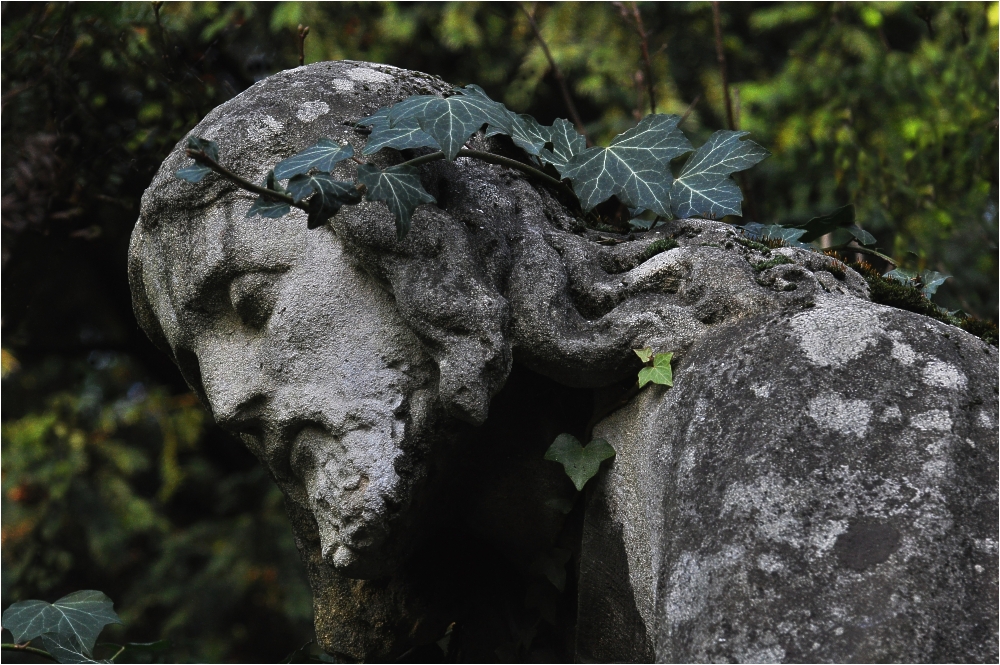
635 167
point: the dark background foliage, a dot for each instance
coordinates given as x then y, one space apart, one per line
115 478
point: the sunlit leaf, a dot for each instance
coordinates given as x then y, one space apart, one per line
645 355
705 186
659 373
322 156
635 167
581 463
452 120
83 614
399 187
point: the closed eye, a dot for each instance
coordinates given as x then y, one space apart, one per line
253 296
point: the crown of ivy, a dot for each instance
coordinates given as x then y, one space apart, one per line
635 167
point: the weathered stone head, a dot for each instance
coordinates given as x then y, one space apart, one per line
363 371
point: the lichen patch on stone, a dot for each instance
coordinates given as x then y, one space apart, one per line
936 420
309 111
943 375
833 412
830 337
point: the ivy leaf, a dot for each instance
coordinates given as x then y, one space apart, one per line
83 614
862 236
192 173
566 143
645 355
660 372
581 464
931 280
327 195
198 144
66 648
526 132
399 187
323 155
268 207
406 134
452 120
635 167
704 186
818 227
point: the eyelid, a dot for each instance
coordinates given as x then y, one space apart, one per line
253 296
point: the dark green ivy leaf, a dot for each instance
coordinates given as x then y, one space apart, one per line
266 207
406 134
581 464
818 227
635 167
566 143
326 195
194 172
83 614
204 145
526 133
452 120
269 209
399 187
66 648
323 156
704 186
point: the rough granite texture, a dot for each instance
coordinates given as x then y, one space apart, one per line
819 485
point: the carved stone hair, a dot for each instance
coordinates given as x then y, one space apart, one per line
498 269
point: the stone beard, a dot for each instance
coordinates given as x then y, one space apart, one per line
819 485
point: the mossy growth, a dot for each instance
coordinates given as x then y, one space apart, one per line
751 244
658 246
887 291
778 260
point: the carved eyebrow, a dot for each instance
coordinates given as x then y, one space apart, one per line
240 250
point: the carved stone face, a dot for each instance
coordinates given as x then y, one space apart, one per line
309 361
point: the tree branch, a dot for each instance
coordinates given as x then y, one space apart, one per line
24 648
640 29
570 107
721 57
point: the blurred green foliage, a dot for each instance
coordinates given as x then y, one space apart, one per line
114 477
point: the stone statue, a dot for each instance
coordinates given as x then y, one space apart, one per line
820 484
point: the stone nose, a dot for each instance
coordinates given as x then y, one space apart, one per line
232 375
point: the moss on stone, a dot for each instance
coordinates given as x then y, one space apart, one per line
658 246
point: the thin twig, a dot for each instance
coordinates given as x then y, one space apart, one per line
163 39
640 29
689 109
721 57
861 250
303 33
570 107
24 648
202 158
